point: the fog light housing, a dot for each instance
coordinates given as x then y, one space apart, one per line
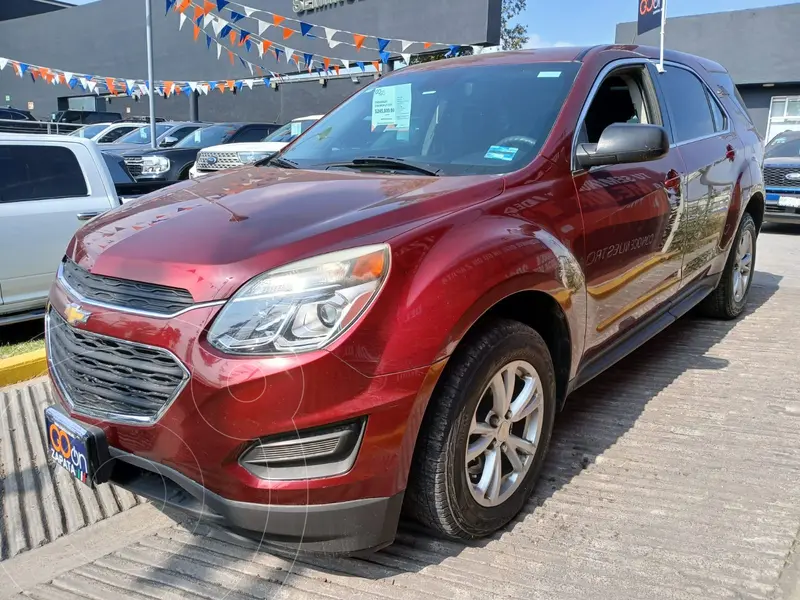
308 454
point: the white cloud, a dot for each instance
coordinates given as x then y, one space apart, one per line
536 41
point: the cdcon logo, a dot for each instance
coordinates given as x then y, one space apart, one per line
66 454
647 7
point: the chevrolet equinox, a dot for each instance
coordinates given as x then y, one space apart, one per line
386 316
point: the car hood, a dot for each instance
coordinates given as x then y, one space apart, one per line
783 161
210 235
248 147
176 154
123 148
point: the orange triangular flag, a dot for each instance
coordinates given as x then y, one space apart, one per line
177 89
277 19
359 40
233 36
287 33
168 87
208 7
184 5
266 44
327 62
336 68
377 65
198 12
230 83
427 45
230 54
110 84
221 87
34 73
196 32
259 70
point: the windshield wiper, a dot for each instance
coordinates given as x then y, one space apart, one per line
385 161
278 161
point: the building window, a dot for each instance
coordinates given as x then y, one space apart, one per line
784 115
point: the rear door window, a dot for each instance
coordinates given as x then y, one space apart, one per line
251 134
39 173
689 104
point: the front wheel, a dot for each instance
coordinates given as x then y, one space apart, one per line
485 434
729 300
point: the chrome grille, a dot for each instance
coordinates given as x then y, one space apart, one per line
109 378
134 164
216 161
125 294
776 177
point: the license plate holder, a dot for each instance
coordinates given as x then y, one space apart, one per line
79 448
789 201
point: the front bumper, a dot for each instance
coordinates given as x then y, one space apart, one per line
775 212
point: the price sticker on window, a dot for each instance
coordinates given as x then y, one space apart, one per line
391 107
297 128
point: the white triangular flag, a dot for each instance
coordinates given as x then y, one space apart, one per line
405 44
218 24
3 63
143 89
193 85
406 57
477 50
183 20
249 83
130 83
67 75
56 80
91 85
346 63
263 26
329 33
334 43
249 11
260 48
250 65
219 50
289 53
208 19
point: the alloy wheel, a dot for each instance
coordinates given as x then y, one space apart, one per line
742 266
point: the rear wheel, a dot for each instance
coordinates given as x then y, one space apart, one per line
485 434
729 300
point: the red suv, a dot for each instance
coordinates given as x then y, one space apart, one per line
388 315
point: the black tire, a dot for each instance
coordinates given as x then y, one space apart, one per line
721 303
437 495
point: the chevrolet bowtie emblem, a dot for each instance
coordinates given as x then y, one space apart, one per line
75 314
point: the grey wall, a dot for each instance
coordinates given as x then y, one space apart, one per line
759 98
107 38
756 46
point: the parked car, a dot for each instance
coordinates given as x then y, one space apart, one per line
84 117
126 186
106 133
249 151
390 314
172 164
167 135
782 178
15 120
49 186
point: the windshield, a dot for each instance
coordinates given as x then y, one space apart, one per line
90 131
207 136
289 131
783 147
458 121
142 135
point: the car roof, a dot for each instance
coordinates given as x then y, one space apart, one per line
34 138
789 133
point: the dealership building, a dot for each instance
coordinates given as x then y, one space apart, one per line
759 47
107 38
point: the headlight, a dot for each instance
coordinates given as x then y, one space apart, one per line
155 165
248 158
302 306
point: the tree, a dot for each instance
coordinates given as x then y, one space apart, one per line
512 37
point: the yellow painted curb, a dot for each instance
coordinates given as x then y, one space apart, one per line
23 367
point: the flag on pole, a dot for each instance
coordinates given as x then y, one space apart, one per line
649 15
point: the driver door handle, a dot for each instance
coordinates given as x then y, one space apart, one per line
85 216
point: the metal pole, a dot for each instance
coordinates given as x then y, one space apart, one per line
663 31
194 108
150 91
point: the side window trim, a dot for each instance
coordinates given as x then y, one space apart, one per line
709 93
650 93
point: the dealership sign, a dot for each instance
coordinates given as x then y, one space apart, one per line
649 14
300 6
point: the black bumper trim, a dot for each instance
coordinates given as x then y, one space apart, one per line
340 528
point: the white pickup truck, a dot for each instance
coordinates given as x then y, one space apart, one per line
228 156
50 185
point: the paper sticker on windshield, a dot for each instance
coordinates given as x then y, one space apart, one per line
391 106
554 74
502 153
297 128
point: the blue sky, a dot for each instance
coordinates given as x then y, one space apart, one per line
554 23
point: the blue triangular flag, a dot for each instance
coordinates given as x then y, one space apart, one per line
239 85
278 52
222 4
382 44
198 20
305 28
225 32
22 68
33 77
187 89
360 65
241 60
72 83
243 34
247 44
266 81
170 4
235 16
212 85
454 50
128 89
208 41
307 58
385 56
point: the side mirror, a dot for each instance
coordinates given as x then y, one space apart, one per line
623 143
168 142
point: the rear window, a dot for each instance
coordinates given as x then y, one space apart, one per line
39 173
724 81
